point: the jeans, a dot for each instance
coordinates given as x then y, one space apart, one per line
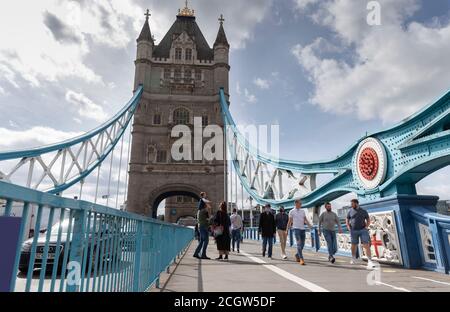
236 238
264 245
300 236
330 237
204 240
283 238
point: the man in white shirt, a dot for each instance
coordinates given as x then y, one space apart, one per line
236 227
297 220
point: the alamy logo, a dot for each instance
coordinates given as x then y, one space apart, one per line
74 273
374 15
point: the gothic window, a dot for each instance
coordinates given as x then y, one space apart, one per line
151 154
157 119
167 73
161 157
177 74
188 55
204 120
188 74
181 116
198 75
178 53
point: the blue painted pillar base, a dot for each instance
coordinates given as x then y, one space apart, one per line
402 205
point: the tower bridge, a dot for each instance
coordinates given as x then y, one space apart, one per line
176 81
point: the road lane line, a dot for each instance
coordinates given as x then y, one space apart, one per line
393 287
430 280
293 278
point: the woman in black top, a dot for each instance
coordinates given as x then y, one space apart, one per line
222 219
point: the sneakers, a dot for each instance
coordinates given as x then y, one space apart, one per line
331 259
353 261
302 262
284 257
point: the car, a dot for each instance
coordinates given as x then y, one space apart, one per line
105 235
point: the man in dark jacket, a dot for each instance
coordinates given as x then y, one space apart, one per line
267 228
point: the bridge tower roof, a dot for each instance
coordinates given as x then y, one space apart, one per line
146 34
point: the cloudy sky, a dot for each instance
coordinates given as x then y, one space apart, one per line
314 67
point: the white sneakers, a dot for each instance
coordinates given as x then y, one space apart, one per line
284 257
370 264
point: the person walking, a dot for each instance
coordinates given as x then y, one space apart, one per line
267 228
358 221
327 225
222 231
203 229
297 220
281 221
236 227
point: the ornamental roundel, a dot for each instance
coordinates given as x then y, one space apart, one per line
371 163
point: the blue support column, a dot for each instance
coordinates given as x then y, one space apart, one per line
410 247
76 252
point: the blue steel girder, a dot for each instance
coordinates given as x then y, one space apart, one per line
414 148
70 162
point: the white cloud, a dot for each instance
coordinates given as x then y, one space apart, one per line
262 83
303 4
36 136
396 68
86 107
249 97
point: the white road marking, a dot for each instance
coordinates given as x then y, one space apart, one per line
431 280
300 281
393 287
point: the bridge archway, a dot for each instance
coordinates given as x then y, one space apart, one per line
168 191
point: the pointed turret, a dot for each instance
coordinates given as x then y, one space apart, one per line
221 57
146 34
145 45
221 36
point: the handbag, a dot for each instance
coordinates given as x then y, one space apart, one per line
218 230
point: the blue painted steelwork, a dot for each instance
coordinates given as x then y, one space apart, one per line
415 148
91 247
106 138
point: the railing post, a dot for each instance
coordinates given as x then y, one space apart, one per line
137 260
73 281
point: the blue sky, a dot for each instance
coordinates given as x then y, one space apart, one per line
314 67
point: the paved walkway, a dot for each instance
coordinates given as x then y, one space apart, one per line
248 271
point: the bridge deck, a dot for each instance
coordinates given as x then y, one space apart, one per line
248 271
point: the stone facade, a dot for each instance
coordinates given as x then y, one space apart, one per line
179 207
181 78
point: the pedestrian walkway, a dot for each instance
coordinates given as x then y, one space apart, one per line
248 271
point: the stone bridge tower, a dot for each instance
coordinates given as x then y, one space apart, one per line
181 76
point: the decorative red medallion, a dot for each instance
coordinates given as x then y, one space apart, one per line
368 163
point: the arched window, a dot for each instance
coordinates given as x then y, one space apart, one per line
178 53
188 54
181 116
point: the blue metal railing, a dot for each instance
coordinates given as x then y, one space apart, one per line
81 246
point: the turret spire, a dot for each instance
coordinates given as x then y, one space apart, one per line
221 36
146 34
